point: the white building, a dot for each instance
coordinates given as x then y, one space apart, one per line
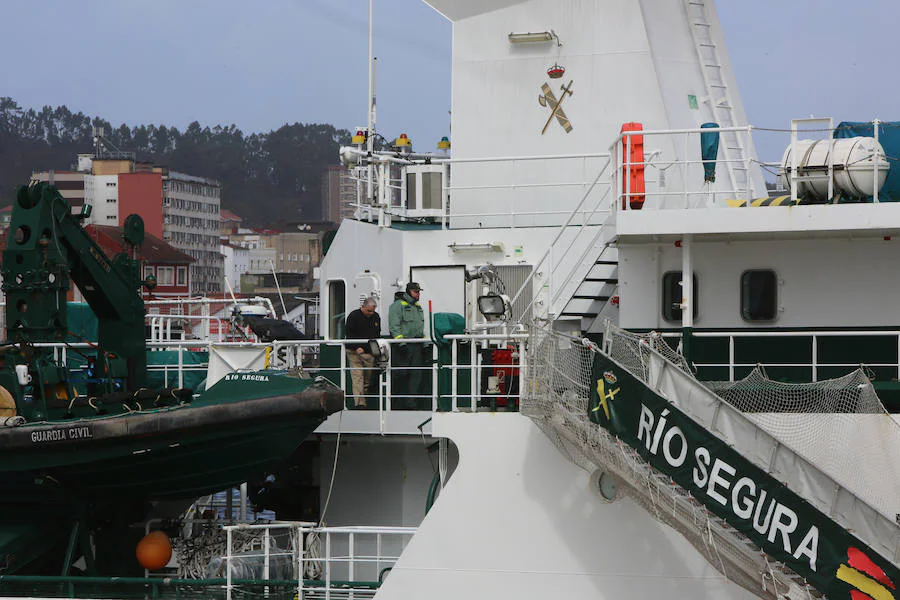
102 193
236 263
262 259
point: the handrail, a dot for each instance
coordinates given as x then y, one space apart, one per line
562 230
718 416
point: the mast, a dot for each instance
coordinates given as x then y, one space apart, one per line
370 126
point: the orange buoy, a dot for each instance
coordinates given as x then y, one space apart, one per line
154 551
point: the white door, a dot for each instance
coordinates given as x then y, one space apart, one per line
444 286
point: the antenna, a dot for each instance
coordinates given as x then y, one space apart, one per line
370 127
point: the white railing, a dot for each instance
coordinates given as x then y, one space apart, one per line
544 276
472 372
161 326
325 562
520 191
502 386
673 173
815 337
173 373
467 367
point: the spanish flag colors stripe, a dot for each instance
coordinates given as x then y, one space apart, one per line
869 579
861 562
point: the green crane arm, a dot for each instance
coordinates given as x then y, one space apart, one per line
47 248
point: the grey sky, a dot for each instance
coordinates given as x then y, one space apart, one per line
263 63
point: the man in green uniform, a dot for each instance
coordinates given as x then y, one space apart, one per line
406 320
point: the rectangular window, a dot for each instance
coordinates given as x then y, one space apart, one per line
672 295
336 309
759 295
148 271
182 276
165 275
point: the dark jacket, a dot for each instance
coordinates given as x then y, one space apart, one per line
361 327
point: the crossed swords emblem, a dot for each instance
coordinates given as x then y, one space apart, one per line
548 99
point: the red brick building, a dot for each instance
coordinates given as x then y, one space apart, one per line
170 266
142 194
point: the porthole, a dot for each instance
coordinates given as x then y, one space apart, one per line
604 484
759 295
672 294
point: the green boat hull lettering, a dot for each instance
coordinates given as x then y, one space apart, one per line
780 523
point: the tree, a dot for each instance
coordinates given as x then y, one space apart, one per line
267 178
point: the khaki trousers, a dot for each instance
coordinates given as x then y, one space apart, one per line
360 375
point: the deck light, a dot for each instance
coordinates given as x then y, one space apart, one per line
534 37
493 305
444 143
359 138
403 140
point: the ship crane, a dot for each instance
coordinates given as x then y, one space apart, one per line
48 249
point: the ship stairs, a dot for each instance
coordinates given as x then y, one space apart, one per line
718 93
856 546
577 278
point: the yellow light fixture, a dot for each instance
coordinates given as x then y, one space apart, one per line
359 138
403 140
444 143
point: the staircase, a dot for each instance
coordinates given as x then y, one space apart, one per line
596 293
718 95
579 274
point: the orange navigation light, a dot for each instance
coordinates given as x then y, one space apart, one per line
403 140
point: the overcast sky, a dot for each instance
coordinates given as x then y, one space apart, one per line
262 63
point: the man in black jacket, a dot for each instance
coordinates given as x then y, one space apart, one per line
362 324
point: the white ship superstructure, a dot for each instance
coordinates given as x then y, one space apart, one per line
600 155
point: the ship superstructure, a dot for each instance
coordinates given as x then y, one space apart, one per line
640 374
625 189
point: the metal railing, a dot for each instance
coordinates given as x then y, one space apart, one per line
464 372
815 339
325 562
513 182
462 377
689 187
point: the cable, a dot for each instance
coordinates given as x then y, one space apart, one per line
337 449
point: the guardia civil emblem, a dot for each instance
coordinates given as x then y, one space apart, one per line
548 99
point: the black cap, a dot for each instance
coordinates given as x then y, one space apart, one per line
412 285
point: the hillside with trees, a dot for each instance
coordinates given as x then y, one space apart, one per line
267 178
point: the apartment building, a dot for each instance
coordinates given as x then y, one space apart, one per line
190 210
338 194
181 209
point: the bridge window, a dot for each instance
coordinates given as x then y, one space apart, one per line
759 295
672 295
